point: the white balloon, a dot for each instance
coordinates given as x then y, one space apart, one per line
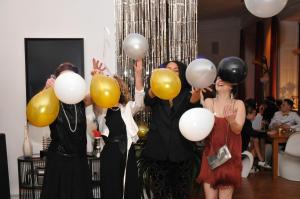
70 87
135 46
196 124
265 8
201 73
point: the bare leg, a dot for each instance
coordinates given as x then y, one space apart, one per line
252 149
262 146
210 193
226 193
257 149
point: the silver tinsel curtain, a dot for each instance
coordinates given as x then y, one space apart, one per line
170 26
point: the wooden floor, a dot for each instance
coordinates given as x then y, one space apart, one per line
261 186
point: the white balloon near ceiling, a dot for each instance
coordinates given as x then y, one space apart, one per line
265 8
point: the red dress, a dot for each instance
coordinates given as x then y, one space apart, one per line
228 174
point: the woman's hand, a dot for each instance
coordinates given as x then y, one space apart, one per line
197 94
98 67
235 115
50 82
138 67
230 113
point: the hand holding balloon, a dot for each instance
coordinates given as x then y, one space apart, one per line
202 91
138 67
138 70
99 67
50 82
196 93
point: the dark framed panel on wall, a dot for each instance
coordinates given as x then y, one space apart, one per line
43 55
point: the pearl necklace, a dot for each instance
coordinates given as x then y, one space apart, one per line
115 108
75 127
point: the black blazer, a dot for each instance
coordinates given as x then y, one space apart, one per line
165 141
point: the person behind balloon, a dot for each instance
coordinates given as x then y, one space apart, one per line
118 171
168 154
221 181
67 172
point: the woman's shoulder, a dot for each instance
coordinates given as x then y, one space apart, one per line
239 105
239 102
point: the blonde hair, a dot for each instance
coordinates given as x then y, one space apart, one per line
125 95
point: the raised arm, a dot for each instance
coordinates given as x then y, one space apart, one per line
98 68
138 103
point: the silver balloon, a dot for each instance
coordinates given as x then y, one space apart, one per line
201 73
135 46
265 8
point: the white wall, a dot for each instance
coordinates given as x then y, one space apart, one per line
224 31
288 67
43 19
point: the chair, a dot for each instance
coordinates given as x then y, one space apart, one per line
247 163
4 182
289 160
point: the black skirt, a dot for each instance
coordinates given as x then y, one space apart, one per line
66 178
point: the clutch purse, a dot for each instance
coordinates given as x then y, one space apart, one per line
222 156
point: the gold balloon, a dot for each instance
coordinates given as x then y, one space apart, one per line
105 91
143 130
165 84
43 108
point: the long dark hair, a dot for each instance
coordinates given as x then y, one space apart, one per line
181 69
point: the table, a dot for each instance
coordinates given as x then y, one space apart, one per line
277 138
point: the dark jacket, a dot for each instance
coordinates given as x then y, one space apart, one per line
165 141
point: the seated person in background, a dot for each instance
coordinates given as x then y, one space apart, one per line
269 111
258 123
250 102
248 132
278 103
286 118
247 128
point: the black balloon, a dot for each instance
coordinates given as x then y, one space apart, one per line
232 69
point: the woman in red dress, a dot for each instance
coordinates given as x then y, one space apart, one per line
229 120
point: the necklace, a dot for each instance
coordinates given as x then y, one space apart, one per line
75 127
115 108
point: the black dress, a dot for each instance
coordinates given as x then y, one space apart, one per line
67 175
113 160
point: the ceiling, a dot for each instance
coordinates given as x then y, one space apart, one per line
215 9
